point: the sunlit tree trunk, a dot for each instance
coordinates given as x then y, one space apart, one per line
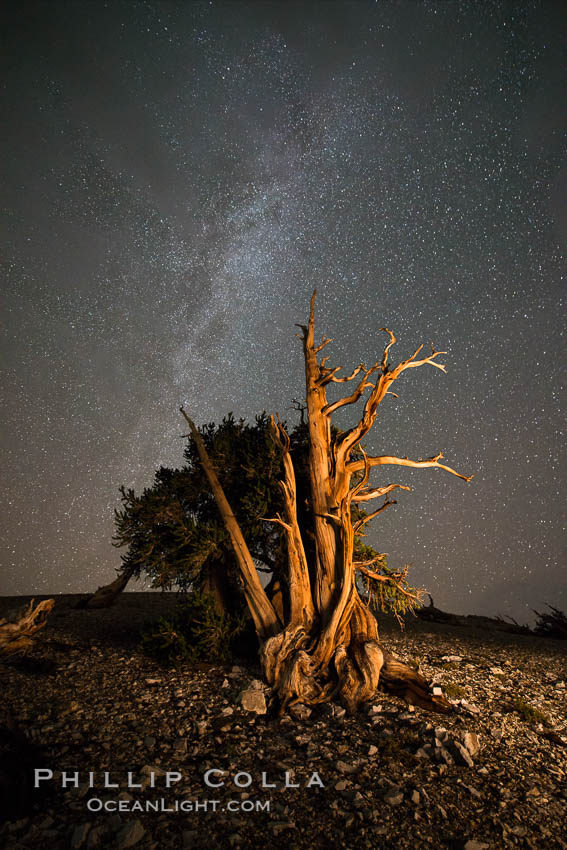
329 645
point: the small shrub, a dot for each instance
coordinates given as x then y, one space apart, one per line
553 625
529 713
453 691
398 747
163 641
196 632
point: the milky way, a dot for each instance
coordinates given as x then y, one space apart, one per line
177 179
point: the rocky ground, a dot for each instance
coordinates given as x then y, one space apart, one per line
490 775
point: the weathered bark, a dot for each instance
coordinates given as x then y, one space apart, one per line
329 646
17 635
107 594
265 618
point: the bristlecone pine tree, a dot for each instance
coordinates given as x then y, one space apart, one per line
329 646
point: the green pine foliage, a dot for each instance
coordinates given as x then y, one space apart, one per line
197 631
173 530
174 535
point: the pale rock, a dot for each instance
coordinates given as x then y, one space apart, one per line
130 834
180 746
461 754
80 835
372 750
146 775
444 756
253 700
300 711
474 791
95 837
533 792
394 796
113 823
343 767
472 743
519 830
467 706
476 845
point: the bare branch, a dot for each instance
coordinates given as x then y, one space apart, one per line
395 579
381 389
354 396
326 375
357 465
411 363
357 526
301 408
325 342
384 364
353 493
278 520
350 377
374 492
370 562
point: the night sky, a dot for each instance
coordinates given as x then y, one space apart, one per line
177 177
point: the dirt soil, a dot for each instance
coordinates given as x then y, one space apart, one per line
96 713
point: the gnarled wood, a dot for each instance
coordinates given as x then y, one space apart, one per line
266 621
107 594
330 644
17 635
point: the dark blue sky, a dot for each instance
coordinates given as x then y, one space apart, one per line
177 177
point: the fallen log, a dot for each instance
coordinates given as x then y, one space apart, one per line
432 614
17 632
107 594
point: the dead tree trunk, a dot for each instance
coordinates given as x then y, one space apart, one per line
329 646
107 594
17 634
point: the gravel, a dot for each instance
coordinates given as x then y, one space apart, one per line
390 776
